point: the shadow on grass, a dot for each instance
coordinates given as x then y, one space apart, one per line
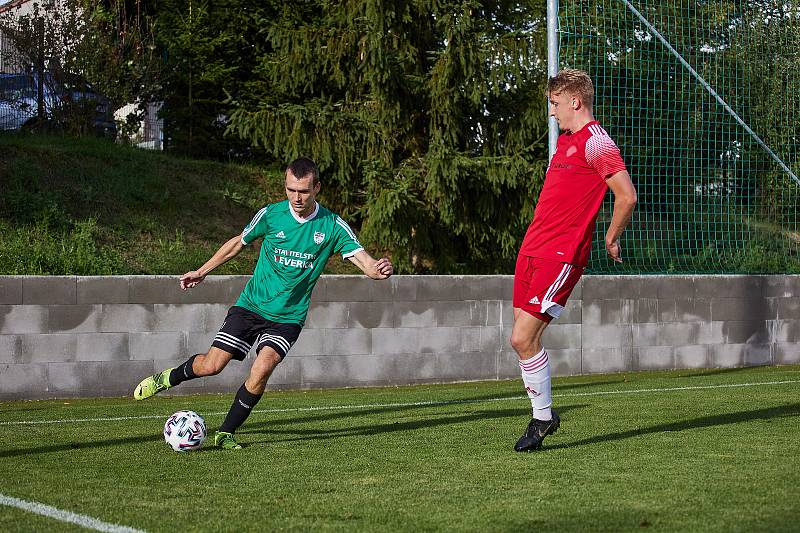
80 445
695 423
389 427
308 434
570 386
291 435
718 371
24 410
350 412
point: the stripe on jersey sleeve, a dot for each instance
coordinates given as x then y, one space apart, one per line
344 245
253 223
602 153
349 231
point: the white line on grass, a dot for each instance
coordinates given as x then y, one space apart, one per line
65 516
431 403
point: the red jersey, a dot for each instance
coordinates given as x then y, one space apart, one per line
573 191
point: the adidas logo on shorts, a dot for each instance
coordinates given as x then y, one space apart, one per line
535 300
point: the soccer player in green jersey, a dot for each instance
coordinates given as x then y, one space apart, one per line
299 236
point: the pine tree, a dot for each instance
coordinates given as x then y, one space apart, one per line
427 119
209 51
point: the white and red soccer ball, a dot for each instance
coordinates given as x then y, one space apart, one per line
185 431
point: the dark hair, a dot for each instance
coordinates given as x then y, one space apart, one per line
302 167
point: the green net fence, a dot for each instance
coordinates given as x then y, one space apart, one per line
700 96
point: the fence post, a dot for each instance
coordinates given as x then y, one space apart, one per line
40 69
552 68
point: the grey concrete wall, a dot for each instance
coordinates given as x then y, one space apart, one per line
98 336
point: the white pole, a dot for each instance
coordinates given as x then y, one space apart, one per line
552 68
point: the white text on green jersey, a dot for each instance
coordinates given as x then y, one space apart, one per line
294 259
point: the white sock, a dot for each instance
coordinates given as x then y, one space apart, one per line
536 377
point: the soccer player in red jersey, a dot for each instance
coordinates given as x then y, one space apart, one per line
556 247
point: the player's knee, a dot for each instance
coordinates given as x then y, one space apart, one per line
263 366
266 362
520 343
525 345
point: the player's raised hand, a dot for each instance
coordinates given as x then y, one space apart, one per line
191 279
614 251
384 268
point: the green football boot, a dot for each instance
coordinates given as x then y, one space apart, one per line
225 440
152 385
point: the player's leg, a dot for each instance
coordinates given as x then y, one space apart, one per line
273 345
233 341
247 397
202 365
526 339
534 365
541 289
532 281
197 366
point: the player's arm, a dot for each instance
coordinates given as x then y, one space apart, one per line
374 268
227 251
624 202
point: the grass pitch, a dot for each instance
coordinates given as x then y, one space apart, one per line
712 450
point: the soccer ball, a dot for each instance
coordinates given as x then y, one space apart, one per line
185 431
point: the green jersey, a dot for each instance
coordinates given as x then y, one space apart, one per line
293 254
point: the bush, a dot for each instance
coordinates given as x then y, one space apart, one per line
41 249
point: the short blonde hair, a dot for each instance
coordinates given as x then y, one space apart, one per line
573 81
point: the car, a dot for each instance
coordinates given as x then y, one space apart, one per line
17 101
67 102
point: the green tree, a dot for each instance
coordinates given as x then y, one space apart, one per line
427 119
77 41
210 51
121 54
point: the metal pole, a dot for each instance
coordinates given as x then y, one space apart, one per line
40 111
552 68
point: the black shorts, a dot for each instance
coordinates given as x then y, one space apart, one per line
243 329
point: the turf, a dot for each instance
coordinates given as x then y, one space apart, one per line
663 451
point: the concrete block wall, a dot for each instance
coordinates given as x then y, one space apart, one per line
98 336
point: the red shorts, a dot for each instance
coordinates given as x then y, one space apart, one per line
541 286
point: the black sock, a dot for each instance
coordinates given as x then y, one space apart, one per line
240 410
183 373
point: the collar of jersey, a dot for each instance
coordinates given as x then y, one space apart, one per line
302 220
584 127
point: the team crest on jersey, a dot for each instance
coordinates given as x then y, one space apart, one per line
319 237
